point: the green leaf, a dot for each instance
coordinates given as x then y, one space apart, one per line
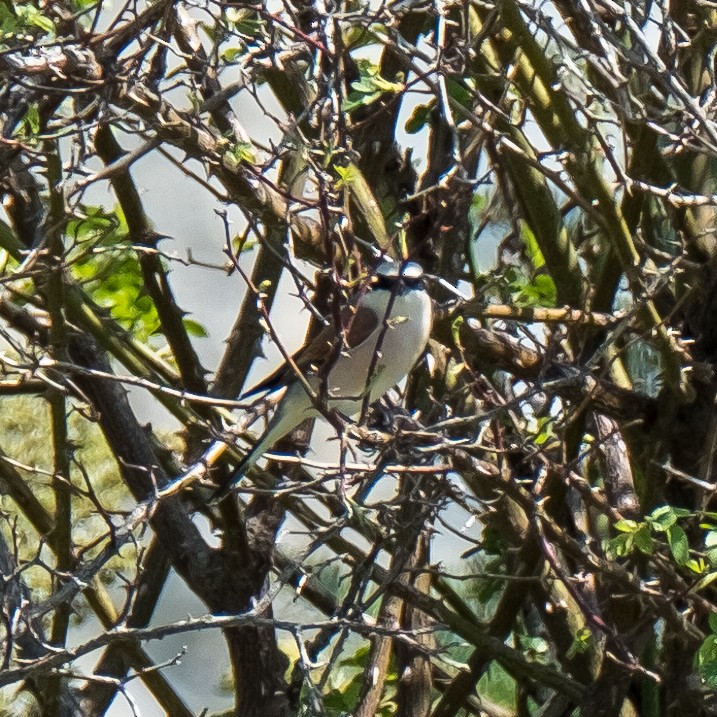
244 152
533 645
546 289
104 261
706 660
666 516
679 545
32 119
627 526
194 328
540 292
369 87
420 118
456 330
643 539
622 545
701 584
696 565
713 622
453 373
245 23
29 16
582 642
496 684
458 91
535 256
545 432
230 54
347 175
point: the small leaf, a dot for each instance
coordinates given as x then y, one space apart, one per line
622 545
230 54
43 22
540 292
706 660
627 526
453 373
420 117
458 91
643 539
347 175
32 119
582 642
535 256
369 87
456 330
244 152
701 584
194 328
29 16
663 517
697 566
679 545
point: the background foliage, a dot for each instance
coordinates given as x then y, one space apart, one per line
556 161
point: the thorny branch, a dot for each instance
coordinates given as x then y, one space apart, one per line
560 431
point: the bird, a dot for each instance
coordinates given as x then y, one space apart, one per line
381 337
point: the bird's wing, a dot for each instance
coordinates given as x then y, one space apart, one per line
357 324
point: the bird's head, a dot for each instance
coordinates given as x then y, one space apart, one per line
392 274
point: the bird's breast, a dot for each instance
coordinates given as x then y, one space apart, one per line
385 357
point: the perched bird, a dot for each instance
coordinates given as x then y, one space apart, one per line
381 338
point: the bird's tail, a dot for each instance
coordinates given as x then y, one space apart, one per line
245 464
281 423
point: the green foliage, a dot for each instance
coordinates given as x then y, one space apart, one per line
420 118
347 175
583 641
23 23
483 592
540 291
706 657
243 152
245 23
498 686
644 536
345 686
460 90
104 261
30 125
545 434
370 87
194 328
532 250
